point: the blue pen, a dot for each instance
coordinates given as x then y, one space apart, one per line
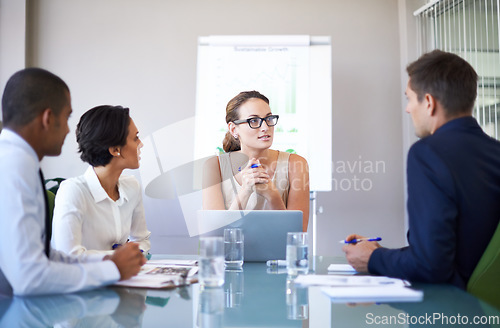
354 241
253 166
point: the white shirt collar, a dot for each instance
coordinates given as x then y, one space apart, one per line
98 192
15 139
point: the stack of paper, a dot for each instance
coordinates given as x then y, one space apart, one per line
174 262
373 294
341 268
352 281
163 274
341 288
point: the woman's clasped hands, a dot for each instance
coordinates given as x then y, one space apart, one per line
254 177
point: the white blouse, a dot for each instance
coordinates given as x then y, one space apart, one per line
86 220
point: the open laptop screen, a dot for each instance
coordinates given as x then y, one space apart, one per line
264 231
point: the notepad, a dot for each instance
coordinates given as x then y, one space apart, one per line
373 294
163 276
346 268
349 281
177 262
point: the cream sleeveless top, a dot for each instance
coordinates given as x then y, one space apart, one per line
231 187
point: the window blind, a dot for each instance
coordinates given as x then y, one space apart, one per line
468 28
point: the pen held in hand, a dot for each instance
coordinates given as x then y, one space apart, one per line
354 241
253 166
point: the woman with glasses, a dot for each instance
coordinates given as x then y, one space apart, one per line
101 210
250 175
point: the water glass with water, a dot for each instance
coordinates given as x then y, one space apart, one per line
297 253
233 248
211 263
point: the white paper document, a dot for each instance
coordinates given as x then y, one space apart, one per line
173 262
158 275
373 294
347 268
349 281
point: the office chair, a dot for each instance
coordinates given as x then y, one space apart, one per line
51 198
484 280
56 186
51 194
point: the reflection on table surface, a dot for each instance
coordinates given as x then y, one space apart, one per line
254 296
97 308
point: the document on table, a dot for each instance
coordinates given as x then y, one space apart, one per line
373 294
161 274
348 281
362 289
174 262
344 268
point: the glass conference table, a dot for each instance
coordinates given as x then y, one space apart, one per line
255 296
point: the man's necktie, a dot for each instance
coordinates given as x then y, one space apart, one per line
48 226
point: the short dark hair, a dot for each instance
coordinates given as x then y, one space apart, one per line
100 128
30 91
448 78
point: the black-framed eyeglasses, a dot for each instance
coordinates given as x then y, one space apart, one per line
256 122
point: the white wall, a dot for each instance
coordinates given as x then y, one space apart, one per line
367 127
142 54
409 53
12 38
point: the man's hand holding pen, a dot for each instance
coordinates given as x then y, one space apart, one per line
358 253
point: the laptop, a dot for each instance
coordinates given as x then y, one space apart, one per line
264 231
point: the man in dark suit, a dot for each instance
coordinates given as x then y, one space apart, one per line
453 180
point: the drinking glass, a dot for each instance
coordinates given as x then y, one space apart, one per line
211 263
297 253
233 248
